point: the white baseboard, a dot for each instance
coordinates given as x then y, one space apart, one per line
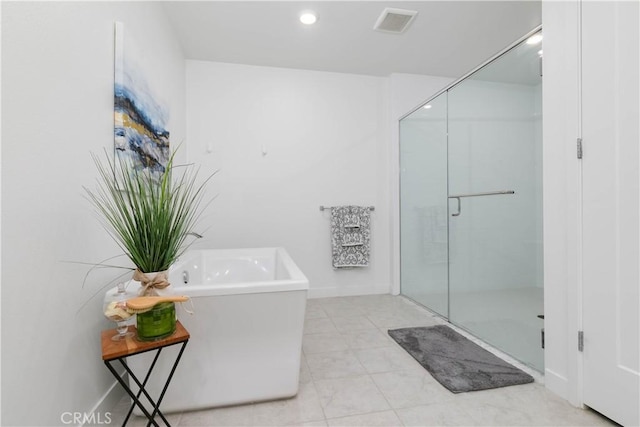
556 383
347 291
109 400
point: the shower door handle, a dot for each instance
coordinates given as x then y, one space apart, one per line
490 193
459 205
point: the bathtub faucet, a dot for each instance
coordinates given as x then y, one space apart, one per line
196 235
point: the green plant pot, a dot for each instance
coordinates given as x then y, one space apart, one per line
157 323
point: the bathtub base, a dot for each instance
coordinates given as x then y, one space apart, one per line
243 348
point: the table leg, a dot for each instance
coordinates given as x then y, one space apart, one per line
128 390
141 389
166 385
144 383
141 386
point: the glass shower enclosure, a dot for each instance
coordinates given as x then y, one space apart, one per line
471 203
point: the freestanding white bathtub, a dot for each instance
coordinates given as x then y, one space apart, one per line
246 333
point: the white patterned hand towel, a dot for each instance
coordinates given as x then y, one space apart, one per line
352 220
350 234
353 238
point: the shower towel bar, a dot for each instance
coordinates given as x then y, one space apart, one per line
490 193
322 208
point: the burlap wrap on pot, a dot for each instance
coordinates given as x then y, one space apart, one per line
150 282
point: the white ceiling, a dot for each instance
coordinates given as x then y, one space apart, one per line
447 38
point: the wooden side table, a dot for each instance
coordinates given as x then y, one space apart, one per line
120 350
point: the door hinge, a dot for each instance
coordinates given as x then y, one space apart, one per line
542 337
580 340
579 143
541 65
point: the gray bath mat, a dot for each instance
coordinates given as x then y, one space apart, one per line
456 362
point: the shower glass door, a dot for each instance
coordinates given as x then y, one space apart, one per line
495 204
423 206
471 204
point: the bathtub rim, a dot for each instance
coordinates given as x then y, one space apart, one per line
297 281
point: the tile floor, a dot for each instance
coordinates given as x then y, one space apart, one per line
353 374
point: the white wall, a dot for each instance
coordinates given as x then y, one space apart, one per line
57 105
326 141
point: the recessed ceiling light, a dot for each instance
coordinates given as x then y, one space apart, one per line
426 107
535 39
308 17
540 52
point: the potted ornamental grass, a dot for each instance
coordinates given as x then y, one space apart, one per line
151 217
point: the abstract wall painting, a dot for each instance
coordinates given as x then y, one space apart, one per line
141 134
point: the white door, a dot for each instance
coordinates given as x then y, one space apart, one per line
610 130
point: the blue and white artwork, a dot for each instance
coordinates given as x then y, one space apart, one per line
141 134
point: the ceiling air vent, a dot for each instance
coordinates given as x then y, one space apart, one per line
394 20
